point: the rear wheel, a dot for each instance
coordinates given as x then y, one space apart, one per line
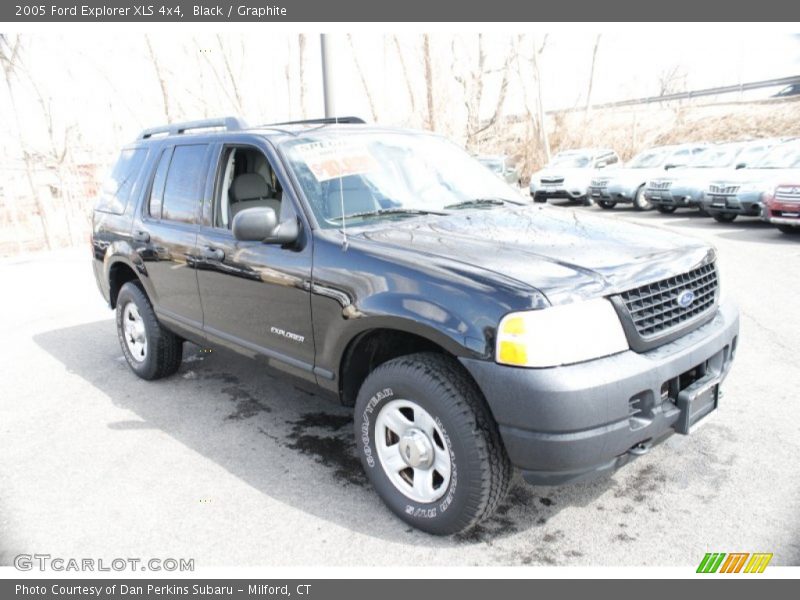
790 229
151 350
666 210
429 444
724 217
607 204
640 202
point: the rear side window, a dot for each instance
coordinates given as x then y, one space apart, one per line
117 188
186 178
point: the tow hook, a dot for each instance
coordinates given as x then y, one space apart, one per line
641 448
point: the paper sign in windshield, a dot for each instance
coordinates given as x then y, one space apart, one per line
330 160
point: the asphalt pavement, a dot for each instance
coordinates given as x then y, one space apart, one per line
235 466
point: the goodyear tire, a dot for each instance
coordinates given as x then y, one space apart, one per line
429 444
151 350
665 209
606 204
723 217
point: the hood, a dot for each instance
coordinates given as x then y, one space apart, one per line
586 173
760 176
566 255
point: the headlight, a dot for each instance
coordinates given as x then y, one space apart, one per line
560 335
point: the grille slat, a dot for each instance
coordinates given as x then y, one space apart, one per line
654 310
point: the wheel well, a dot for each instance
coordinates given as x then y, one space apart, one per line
372 348
119 275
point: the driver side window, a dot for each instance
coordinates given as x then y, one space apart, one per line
245 179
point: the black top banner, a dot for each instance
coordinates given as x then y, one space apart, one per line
240 11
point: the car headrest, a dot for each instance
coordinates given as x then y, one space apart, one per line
250 186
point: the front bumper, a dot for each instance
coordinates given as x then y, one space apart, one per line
577 422
613 192
565 190
782 213
676 195
746 204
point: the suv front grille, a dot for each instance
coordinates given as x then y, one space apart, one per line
788 194
552 180
660 184
725 190
655 309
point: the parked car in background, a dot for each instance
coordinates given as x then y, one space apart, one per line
569 173
741 193
683 188
782 206
502 167
790 90
626 184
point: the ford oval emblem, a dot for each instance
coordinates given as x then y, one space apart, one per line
685 298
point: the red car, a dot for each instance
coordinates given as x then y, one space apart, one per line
782 207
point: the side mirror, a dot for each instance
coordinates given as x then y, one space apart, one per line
261 225
601 165
669 166
741 165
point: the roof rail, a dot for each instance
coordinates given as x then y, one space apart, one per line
229 123
325 121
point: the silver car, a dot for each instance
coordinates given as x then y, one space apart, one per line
569 173
684 187
742 192
626 184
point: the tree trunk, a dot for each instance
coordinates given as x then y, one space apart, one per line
426 53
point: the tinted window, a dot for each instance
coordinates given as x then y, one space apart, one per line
185 181
117 188
157 190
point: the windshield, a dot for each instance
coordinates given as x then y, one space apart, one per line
570 160
495 164
717 156
361 176
648 159
784 156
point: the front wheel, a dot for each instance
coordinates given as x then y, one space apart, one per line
151 350
639 200
429 444
724 217
666 210
606 204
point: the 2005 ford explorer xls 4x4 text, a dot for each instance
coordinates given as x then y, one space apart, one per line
470 330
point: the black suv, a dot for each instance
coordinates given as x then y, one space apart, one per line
469 329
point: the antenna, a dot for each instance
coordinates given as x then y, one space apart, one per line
341 198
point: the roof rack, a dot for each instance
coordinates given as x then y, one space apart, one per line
325 121
228 123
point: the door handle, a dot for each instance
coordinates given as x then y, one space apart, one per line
213 253
141 236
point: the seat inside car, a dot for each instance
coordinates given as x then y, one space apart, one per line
251 190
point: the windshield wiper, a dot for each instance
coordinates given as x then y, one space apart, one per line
389 211
480 202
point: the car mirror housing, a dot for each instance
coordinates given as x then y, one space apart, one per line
741 165
669 166
261 225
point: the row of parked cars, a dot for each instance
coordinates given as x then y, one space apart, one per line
756 178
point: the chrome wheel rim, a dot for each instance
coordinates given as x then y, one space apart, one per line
134 332
413 451
643 202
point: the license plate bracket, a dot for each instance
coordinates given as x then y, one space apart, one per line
696 402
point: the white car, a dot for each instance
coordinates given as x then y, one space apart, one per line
569 174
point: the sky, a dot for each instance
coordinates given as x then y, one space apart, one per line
103 89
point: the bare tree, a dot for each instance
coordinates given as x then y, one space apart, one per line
10 57
301 69
363 78
409 86
588 107
226 77
428 62
162 83
473 87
